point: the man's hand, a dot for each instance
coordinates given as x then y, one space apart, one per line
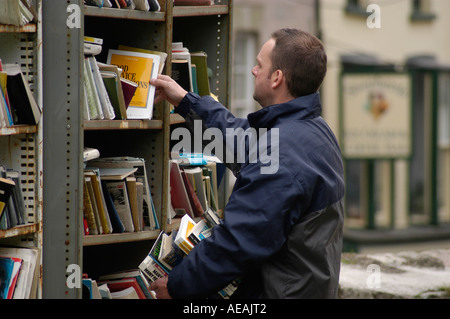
167 88
160 288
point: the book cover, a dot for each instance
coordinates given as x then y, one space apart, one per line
116 222
186 226
17 196
129 89
21 98
121 285
105 103
178 194
150 266
120 97
195 203
6 191
140 68
200 61
127 274
181 73
133 200
88 211
170 254
102 209
119 196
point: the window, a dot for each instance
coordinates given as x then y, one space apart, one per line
357 7
245 52
422 11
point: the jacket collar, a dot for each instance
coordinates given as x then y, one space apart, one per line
301 108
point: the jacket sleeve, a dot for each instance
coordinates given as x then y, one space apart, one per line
257 218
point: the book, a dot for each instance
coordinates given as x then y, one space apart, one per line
149 212
182 239
21 99
178 194
127 293
129 89
16 12
95 209
150 266
119 196
16 201
90 153
181 53
99 199
105 103
114 91
88 210
115 173
92 287
181 74
27 276
95 110
200 61
128 274
7 274
140 68
195 177
113 204
195 203
6 119
162 55
169 251
170 254
123 289
6 191
136 211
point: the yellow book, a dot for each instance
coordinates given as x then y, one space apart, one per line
162 55
140 68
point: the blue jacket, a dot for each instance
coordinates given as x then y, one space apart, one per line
282 230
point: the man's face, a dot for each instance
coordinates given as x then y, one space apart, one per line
262 72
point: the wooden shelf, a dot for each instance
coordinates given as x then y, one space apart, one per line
27 28
92 240
18 129
176 119
19 230
115 13
190 11
123 125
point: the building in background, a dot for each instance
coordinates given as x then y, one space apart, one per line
386 96
388 187
253 23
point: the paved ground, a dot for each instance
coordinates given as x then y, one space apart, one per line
406 274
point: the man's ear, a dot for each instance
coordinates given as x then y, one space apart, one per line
277 78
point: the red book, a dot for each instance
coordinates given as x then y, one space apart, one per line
118 285
128 88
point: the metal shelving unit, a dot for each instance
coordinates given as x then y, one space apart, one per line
20 145
66 133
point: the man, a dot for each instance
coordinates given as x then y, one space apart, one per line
282 231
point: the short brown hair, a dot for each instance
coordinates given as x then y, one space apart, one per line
302 58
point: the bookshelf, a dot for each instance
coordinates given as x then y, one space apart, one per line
64 239
21 145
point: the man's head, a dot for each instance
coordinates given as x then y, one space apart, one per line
292 60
